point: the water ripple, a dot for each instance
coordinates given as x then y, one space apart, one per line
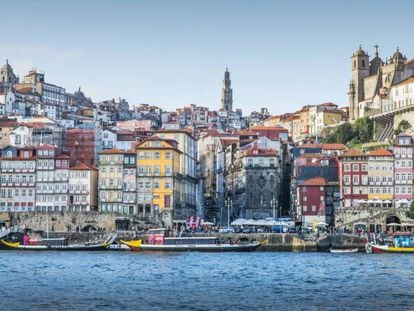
199 281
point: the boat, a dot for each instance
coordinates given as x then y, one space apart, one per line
403 242
4 233
344 251
157 241
58 244
134 245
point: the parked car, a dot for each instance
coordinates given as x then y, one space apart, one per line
226 230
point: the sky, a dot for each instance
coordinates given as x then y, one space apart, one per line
280 54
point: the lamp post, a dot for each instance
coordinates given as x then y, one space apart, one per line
229 203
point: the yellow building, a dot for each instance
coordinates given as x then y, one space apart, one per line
159 183
380 175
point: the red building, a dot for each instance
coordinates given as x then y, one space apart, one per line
353 177
80 144
312 195
271 132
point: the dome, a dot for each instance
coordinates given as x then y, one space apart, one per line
360 52
397 54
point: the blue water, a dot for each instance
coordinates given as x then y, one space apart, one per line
203 281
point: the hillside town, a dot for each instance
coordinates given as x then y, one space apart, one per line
64 153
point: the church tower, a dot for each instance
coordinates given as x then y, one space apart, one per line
227 93
360 70
7 76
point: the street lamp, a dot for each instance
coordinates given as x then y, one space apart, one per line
229 203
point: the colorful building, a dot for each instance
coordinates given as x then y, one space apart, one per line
403 169
160 180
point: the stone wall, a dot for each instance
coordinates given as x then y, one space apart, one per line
61 222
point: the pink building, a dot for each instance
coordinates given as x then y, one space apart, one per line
403 169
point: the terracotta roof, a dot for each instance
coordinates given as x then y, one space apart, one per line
112 151
82 167
380 152
352 153
410 61
324 146
408 81
333 146
229 141
260 152
268 128
317 181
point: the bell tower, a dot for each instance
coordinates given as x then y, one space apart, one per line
360 70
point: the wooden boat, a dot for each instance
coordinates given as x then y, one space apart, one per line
344 251
199 244
403 242
47 245
134 245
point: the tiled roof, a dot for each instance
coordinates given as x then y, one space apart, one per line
380 152
268 128
352 153
324 146
112 151
317 181
410 61
82 167
260 152
408 81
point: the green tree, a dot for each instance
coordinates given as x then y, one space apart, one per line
363 129
345 133
402 127
410 212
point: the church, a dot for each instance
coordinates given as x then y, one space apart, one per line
372 80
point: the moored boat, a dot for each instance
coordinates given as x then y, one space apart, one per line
134 245
344 251
59 244
159 242
403 242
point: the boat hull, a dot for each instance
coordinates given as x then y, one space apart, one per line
344 251
200 247
18 246
389 249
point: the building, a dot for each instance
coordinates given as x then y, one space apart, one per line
52 178
317 198
161 183
83 188
80 144
227 93
18 179
187 145
252 183
380 178
110 182
353 178
7 76
403 169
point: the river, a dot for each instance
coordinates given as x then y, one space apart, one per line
205 281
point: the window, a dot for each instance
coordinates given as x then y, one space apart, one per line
157 170
140 155
148 155
156 155
156 184
363 167
305 208
305 199
167 185
355 167
148 170
355 179
313 208
148 184
140 170
347 179
168 155
168 170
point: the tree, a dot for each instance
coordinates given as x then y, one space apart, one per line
410 212
345 133
402 127
363 129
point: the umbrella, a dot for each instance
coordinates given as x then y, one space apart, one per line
207 223
322 224
393 224
386 201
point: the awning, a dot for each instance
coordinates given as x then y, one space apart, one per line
394 224
386 201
